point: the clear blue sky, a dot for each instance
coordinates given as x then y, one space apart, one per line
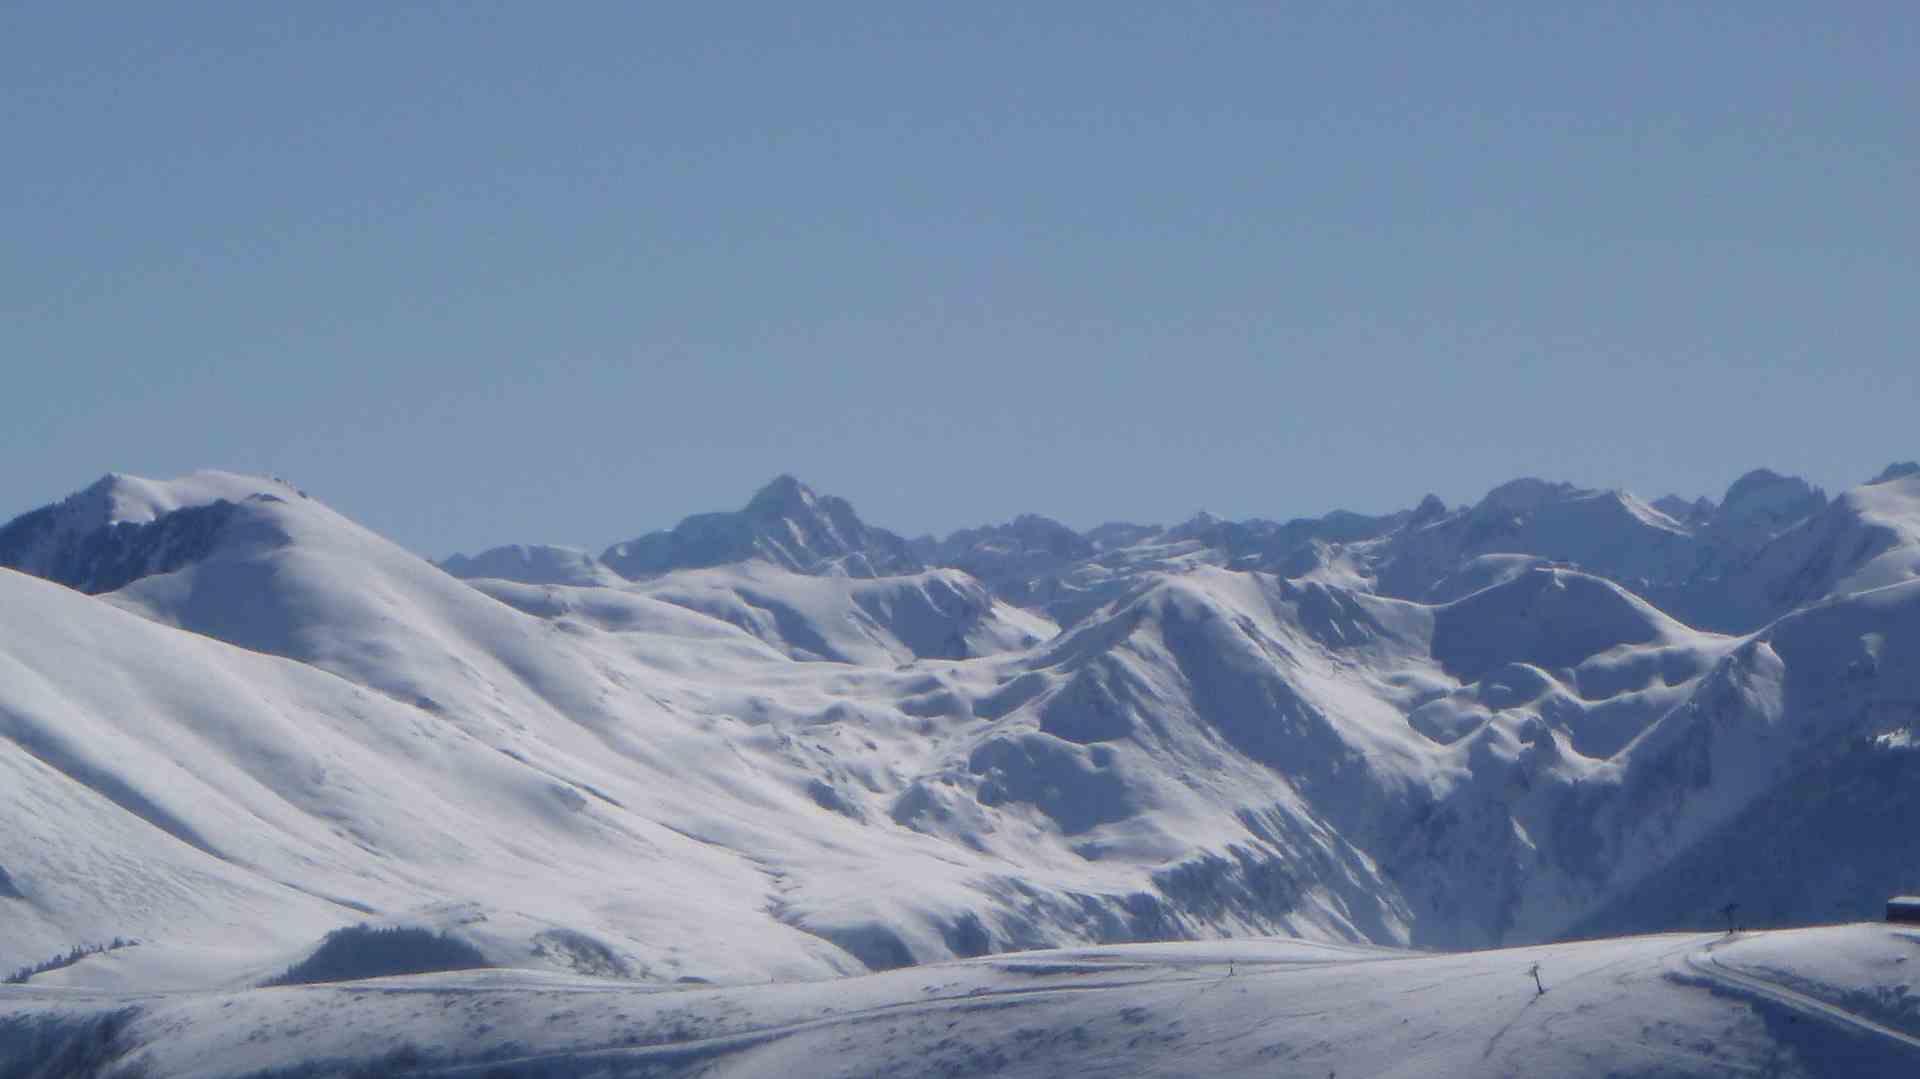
480 273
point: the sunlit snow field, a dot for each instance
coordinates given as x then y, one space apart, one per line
1827 1002
808 798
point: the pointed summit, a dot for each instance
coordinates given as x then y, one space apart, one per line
1896 470
1688 513
121 528
1761 505
1195 526
784 523
783 494
1765 485
1431 508
1528 492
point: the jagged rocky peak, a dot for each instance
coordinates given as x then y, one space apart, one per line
121 528
119 498
786 500
1894 471
1765 487
1028 533
1605 532
1528 493
1764 502
1116 534
1010 558
1689 513
1530 497
1045 531
32 540
1198 526
784 495
1564 504
785 523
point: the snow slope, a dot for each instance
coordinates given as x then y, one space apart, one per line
206 799
791 776
936 614
1867 538
679 746
1826 1002
537 564
268 722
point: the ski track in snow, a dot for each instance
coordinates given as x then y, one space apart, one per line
1703 961
1634 1006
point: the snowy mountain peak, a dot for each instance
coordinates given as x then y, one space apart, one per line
784 523
1895 471
1689 513
124 527
1198 526
1759 506
1034 524
1766 494
1528 493
782 496
534 564
1010 558
119 498
1027 533
136 500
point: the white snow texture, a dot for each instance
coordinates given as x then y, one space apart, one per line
780 745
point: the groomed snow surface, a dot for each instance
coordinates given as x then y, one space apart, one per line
1818 1002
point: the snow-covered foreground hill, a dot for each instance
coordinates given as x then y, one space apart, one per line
1819 1002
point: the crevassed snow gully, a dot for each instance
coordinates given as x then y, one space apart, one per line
779 789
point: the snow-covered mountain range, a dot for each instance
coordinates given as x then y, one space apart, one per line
783 743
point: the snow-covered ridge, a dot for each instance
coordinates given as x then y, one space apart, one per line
1707 563
536 564
1475 726
784 523
125 527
